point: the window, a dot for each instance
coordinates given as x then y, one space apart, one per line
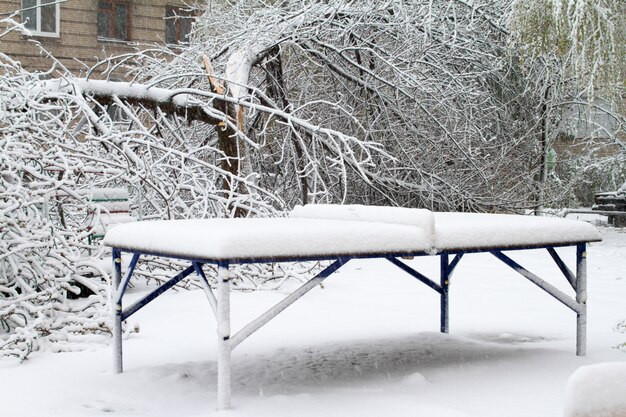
177 24
41 17
114 19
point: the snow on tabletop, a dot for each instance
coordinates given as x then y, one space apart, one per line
325 230
479 231
275 238
597 391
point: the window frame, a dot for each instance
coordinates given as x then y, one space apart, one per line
127 5
38 6
178 14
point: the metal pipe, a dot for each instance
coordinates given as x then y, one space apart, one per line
454 263
206 287
223 337
420 277
255 325
564 269
549 288
121 289
581 299
445 284
116 257
154 294
600 212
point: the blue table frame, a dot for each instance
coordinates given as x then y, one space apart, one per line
220 302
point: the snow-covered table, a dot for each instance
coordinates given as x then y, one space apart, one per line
339 233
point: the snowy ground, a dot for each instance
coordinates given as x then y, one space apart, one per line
364 345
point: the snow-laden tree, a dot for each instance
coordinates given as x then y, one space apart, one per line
586 37
575 50
406 103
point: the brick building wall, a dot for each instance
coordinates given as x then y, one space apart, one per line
78 34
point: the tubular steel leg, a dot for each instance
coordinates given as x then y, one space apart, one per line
264 318
581 299
117 311
223 337
445 283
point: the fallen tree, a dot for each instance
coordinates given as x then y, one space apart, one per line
430 84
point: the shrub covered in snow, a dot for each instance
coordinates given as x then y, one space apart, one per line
56 146
41 249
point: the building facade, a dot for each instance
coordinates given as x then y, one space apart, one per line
79 33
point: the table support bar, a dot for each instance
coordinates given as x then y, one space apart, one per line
564 269
417 275
116 256
549 288
255 325
445 284
224 345
204 282
581 299
154 294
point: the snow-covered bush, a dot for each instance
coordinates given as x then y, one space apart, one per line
62 140
586 174
55 148
41 254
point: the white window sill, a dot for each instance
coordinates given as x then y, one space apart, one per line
113 40
44 34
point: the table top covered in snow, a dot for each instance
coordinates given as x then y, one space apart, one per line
328 231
